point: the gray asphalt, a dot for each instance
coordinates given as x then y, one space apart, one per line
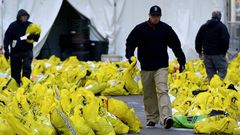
136 103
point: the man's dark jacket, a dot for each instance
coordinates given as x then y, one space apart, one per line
212 38
152 42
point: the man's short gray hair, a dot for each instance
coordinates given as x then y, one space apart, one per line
216 15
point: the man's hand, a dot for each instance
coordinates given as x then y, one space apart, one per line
31 36
129 61
7 55
36 37
133 59
181 68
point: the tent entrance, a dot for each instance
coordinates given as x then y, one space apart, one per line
69 36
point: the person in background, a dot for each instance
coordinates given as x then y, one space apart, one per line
152 38
21 52
212 43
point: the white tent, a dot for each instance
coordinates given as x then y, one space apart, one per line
114 19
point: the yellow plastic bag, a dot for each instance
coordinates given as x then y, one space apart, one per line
216 82
116 88
5 129
38 68
232 104
4 65
106 72
61 123
20 125
53 60
11 85
33 29
41 122
81 126
26 84
94 86
218 124
15 115
121 110
128 77
100 124
118 125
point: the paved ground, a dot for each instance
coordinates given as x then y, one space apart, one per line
137 104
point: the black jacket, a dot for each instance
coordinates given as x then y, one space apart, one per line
212 38
16 30
152 42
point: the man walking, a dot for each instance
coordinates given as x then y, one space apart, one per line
152 38
21 51
212 41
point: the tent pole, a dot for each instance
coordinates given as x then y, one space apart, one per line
1 34
114 27
233 10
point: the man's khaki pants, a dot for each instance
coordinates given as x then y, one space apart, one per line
156 100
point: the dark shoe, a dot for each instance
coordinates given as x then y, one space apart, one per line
150 124
168 122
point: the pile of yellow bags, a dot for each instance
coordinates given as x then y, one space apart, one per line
63 93
59 98
119 78
195 96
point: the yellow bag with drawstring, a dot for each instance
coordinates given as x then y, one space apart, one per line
11 85
106 72
4 65
218 124
118 125
81 126
17 118
19 124
183 109
36 118
33 29
121 110
39 68
116 88
26 84
53 60
216 82
41 122
232 104
71 61
62 124
98 123
94 86
5 129
128 77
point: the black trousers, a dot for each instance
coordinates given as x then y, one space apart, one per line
21 63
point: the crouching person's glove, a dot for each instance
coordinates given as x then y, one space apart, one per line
6 55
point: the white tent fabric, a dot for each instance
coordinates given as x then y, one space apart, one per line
185 17
114 19
103 15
